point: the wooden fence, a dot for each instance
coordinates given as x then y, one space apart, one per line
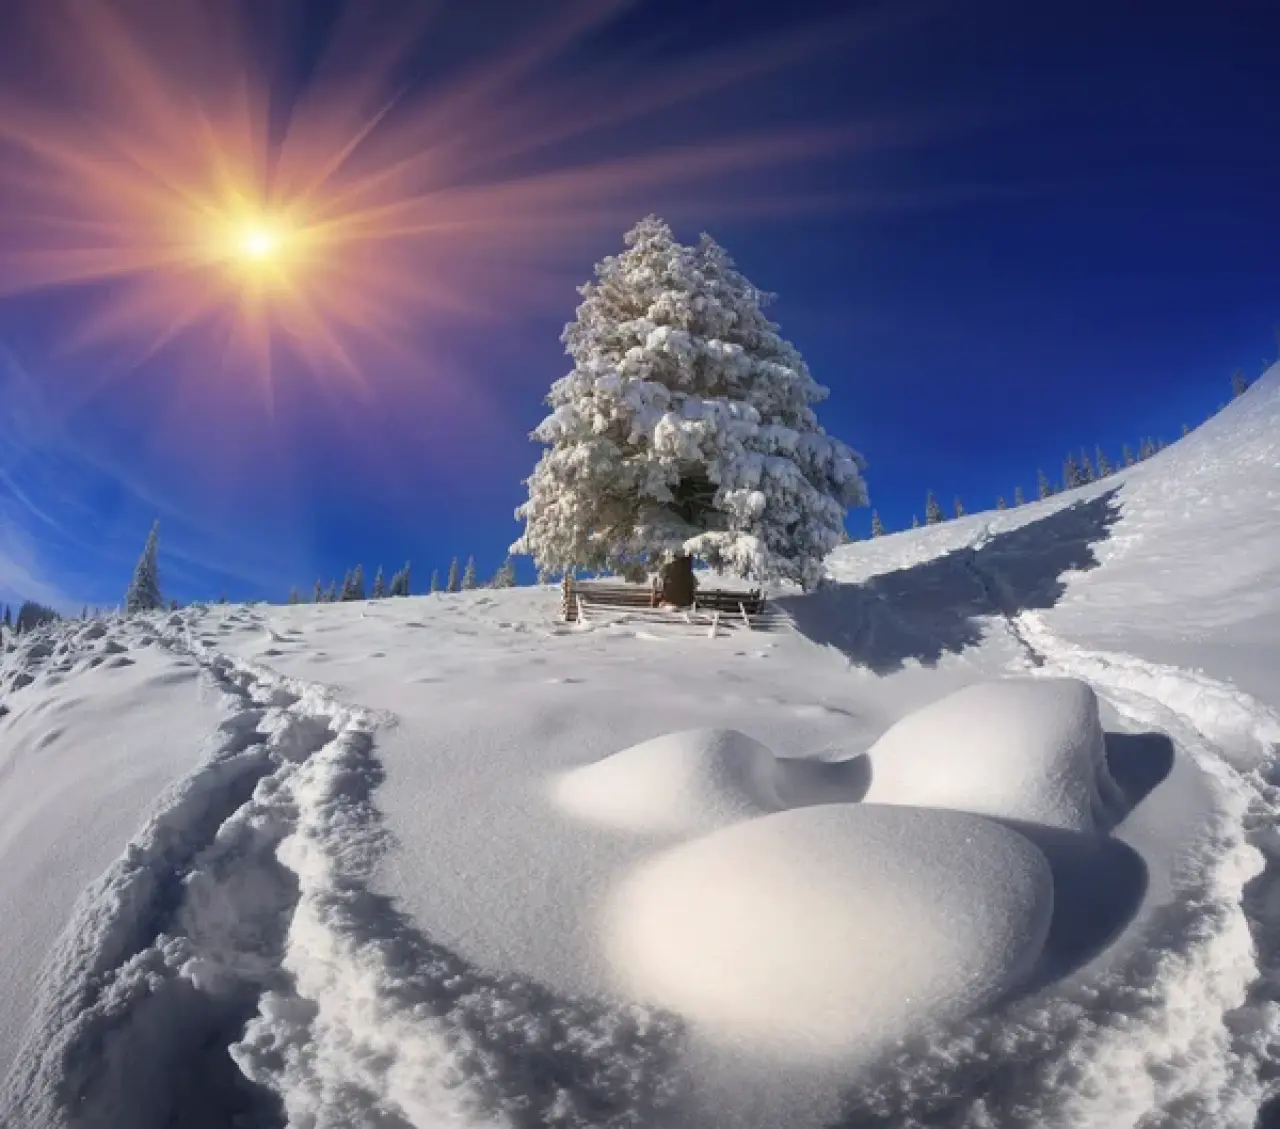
578 596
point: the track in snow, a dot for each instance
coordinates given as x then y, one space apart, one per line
234 967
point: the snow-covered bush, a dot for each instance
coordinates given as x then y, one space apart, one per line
685 429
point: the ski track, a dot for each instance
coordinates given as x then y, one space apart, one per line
233 967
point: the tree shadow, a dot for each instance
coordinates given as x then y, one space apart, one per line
938 607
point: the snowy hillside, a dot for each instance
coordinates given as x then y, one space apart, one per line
981 834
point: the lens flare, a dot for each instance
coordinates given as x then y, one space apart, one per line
216 200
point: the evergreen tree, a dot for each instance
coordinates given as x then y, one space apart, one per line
1043 485
877 526
1018 499
1105 469
1000 503
453 584
331 595
8 616
435 580
1239 385
1071 477
345 593
1145 450
379 585
317 596
932 511
505 577
959 507
144 590
1086 467
222 599
32 615
1126 453
469 575
406 580
1185 431
357 583
685 430
915 522
295 597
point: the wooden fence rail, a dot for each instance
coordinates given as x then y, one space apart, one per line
578 595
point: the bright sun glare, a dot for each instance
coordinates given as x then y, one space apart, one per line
259 241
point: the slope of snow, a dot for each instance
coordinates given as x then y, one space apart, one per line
447 861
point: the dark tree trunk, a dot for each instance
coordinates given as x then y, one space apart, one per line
677 582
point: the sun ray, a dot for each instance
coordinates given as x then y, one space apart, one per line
229 230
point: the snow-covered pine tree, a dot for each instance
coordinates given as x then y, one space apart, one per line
1105 469
877 526
453 584
1126 453
357 583
915 522
959 507
1239 385
406 581
1043 485
932 511
144 590
331 595
1185 431
317 593
1018 499
1086 467
1000 505
435 580
1145 450
469 579
685 430
295 597
1071 474
379 585
345 594
505 577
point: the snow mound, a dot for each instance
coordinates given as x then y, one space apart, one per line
699 780
832 931
1028 749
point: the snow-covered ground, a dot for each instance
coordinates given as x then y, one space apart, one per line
982 834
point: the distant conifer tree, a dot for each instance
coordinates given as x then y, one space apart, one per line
932 511
877 526
959 507
915 522
144 590
454 583
1239 385
1043 485
1071 474
379 585
1146 449
1126 453
1086 467
435 580
1018 499
505 577
1000 503
1105 468
317 594
469 580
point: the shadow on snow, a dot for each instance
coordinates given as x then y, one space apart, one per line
937 607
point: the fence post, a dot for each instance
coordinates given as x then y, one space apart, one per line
566 590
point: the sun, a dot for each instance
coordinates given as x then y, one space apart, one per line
259 241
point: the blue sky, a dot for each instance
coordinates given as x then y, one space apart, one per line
1066 235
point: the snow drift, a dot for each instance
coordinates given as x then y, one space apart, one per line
832 931
1022 749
